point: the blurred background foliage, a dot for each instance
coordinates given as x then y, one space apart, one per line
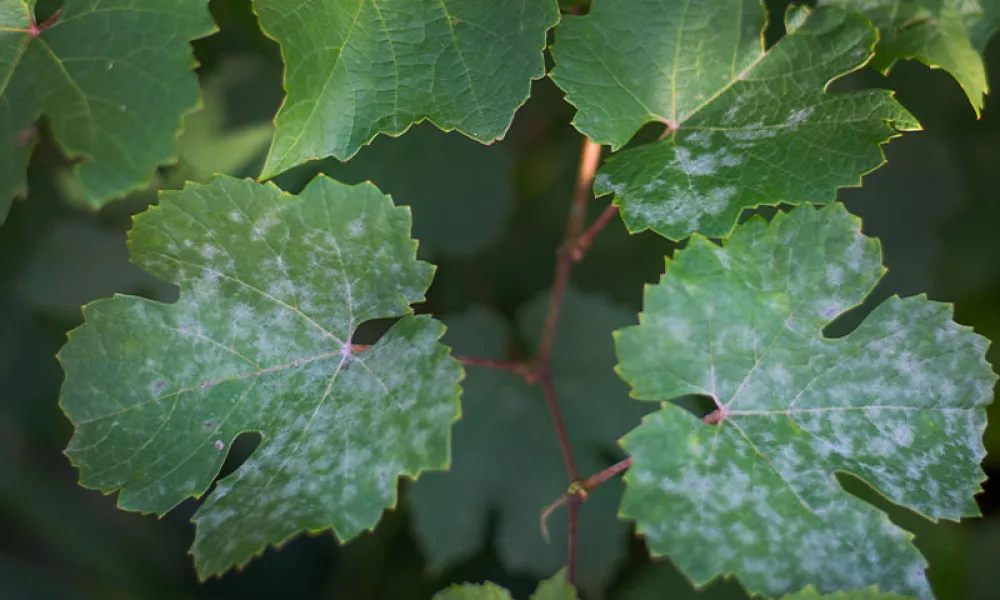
491 218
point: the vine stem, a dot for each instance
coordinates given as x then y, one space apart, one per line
545 378
576 242
565 259
521 368
570 252
35 30
582 243
601 476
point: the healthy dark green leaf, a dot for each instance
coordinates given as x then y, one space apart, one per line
745 127
898 402
272 288
114 81
356 69
506 454
939 33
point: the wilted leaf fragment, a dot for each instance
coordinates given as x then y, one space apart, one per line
357 68
554 588
898 402
938 33
745 127
272 287
114 80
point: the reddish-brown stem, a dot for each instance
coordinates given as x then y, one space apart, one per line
35 30
520 368
523 369
575 244
565 258
589 158
600 477
578 248
574 518
545 379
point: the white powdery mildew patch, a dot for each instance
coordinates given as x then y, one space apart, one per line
603 181
747 136
718 199
797 117
706 163
699 138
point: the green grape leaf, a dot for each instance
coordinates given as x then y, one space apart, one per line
506 454
554 588
474 591
745 127
356 69
114 81
942 34
272 288
869 593
898 402
460 192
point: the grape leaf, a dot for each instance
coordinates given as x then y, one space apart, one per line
745 127
460 192
474 591
938 33
272 289
869 593
554 588
114 81
356 69
898 402
506 455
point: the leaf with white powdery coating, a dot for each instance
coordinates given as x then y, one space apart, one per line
899 402
358 68
746 128
939 33
272 287
114 81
